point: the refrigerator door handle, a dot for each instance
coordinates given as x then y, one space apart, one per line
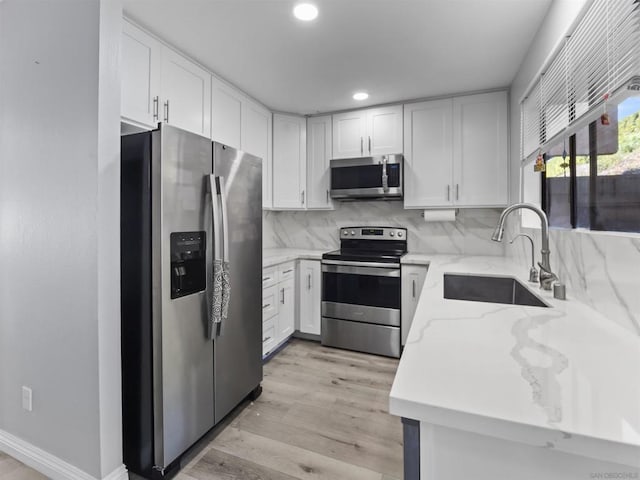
215 319
226 270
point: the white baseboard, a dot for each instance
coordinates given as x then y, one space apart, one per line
48 464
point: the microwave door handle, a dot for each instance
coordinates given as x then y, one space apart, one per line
385 178
226 269
215 299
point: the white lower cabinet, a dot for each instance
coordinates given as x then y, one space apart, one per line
286 308
412 281
278 305
309 278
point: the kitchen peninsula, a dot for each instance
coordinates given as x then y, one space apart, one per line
489 390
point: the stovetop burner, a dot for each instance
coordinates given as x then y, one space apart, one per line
370 244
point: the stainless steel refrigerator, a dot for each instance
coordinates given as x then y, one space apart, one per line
191 262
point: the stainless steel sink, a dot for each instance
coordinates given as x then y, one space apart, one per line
481 288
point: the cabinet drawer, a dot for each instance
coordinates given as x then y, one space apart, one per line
286 271
269 277
269 302
268 339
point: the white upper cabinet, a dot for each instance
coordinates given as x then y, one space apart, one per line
384 130
456 152
289 162
141 70
256 139
349 130
186 94
226 112
480 149
376 131
428 153
318 157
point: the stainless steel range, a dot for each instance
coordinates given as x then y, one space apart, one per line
361 290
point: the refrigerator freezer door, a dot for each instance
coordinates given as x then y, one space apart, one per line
183 355
238 353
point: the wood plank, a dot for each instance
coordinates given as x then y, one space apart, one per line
295 461
220 465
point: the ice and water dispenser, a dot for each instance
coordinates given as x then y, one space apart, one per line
188 263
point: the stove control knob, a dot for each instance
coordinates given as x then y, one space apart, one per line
353 232
345 232
400 234
392 234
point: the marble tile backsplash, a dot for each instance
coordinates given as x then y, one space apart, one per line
470 234
599 269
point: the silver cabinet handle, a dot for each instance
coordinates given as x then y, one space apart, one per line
288 271
361 146
448 193
457 192
309 282
156 100
166 111
266 306
327 196
264 279
282 301
369 144
266 339
414 289
302 196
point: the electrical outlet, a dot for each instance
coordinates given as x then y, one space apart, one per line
27 399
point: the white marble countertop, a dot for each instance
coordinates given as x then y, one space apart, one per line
276 256
563 377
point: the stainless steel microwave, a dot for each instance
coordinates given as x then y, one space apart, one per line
367 177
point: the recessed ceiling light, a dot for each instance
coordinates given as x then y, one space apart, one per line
305 12
360 96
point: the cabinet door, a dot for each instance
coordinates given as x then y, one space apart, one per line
226 111
141 70
186 92
289 162
384 131
349 130
309 295
428 143
412 278
318 156
256 140
480 150
286 309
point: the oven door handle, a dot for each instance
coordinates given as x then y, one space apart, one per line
360 270
362 264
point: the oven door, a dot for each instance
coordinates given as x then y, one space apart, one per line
361 292
368 177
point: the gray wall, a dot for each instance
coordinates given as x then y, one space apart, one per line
59 228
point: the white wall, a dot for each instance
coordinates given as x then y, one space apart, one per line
598 268
59 228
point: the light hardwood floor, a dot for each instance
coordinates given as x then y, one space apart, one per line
322 416
11 469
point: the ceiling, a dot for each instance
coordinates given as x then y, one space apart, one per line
393 49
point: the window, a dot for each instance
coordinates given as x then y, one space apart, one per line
592 179
579 115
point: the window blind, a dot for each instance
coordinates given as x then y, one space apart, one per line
599 57
530 122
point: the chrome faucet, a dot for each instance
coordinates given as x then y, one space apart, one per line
533 273
547 277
